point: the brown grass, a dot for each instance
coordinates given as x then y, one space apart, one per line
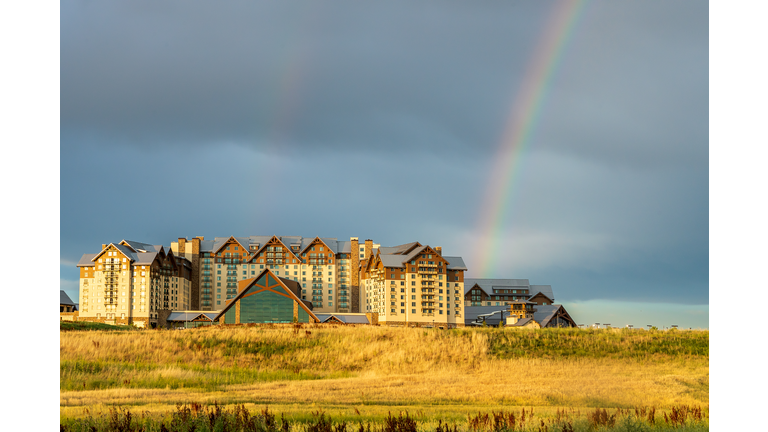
367 368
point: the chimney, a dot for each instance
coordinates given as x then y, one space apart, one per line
181 246
439 250
355 260
103 246
368 248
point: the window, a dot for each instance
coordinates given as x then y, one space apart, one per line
413 310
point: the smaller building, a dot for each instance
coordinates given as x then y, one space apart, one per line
370 318
186 319
66 304
553 316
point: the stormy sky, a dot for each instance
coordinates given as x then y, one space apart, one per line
383 121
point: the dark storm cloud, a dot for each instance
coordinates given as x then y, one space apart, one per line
399 107
347 76
341 75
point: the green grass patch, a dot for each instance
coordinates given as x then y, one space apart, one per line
580 343
100 375
86 325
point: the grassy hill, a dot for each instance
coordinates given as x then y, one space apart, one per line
362 373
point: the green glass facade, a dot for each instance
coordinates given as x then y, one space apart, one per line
303 316
229 317
266 307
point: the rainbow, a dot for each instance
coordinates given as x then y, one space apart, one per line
519 127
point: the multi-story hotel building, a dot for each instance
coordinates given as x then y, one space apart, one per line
326 268
517 298
410 284
129 282
414 285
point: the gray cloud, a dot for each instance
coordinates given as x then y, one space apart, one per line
399 108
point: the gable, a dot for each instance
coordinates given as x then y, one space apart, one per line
114 251
541 296
232 245
273 246
317 252
266 282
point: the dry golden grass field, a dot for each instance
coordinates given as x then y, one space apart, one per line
362 373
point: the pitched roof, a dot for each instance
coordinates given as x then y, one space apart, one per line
392 260
544 289
145 258
399 249
487 285
544 313
414 253
349 318
64 298
455 263
471 313
139 246
523 321
189 315
219 242
86 260
345 247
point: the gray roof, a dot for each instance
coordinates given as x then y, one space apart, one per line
455 263
126 251
189 316
145 258
143 246
388 250
399 249
331 243
206 246
414 253
522 321
544 289
392 260
544 313
345 247
487 285
64 298
86 260
471 313
345 318
335 245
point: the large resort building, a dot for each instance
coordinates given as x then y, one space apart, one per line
322 266
303 279
414 285
129 282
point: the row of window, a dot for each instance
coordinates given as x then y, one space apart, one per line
413 311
